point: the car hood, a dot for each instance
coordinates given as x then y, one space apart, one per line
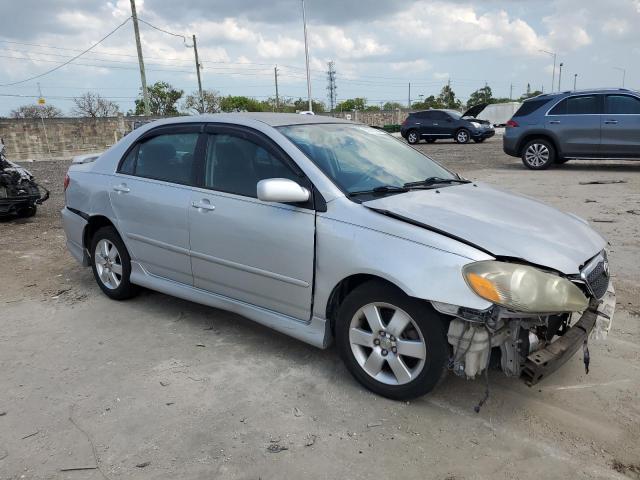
475 110
499 223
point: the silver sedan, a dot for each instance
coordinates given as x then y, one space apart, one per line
325 229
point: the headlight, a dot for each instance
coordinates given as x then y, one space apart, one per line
476 124
523 288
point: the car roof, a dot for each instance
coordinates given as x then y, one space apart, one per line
270 118
568 93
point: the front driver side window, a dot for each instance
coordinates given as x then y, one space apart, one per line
236 165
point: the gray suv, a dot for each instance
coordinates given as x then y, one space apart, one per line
586 125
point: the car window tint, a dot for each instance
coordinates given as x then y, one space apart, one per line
622 105
235 165
530 106
441 116
583 105
425 115
129 163
167 157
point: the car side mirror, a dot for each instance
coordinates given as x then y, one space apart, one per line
281 190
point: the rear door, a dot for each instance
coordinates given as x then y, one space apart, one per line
257 252
621 126
575 123
443 124
150 196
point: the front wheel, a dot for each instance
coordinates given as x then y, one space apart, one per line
538 154
413 137
111 264
462 136
391 343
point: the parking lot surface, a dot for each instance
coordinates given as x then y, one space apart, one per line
157 387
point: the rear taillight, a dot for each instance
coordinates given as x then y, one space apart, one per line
67 180
512 123
404 123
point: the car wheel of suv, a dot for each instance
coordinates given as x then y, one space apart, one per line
462 136
538 154
391 343
413 137
111 264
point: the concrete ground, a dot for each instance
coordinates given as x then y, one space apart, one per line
161 388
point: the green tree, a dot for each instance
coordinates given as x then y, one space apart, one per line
392 106
429 102
162 100
211 100
358 103
241 103
302 104
372 108
447 98
482 95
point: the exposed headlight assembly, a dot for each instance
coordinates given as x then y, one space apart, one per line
476 124
522 288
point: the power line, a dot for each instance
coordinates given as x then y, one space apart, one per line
164 31
71 60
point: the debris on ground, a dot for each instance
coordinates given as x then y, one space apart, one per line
3 413
602 220
634 212
31 434
200 345
19 193
77 469
630 470
164 384
374 424
276 448
590 200
297 412
311 439
143 464
602 182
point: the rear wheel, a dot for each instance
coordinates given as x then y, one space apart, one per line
111 264
538 154
413 137
391 343
462 136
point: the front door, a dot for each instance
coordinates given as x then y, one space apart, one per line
150 197
621 126
575 121
256 252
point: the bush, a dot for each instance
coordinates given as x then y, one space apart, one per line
392 128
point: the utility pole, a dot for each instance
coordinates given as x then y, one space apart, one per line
306 54
195 51
575 79
275 74
560 77
624 74
511 92
41 103
409 98
143 77
331 84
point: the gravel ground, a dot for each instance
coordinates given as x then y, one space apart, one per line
157 387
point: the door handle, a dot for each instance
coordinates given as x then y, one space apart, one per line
122 188
554 122
418 123
203 206
611 122
435 124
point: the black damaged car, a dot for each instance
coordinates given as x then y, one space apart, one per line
19 193
432 125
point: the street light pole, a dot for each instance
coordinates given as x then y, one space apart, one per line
560 77
624 73
553 75
575 79
306 54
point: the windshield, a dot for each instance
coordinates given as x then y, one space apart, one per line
359 158
455 114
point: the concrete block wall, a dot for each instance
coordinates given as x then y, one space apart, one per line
376 119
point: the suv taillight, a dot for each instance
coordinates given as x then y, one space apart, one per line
512 123
67 180
405 121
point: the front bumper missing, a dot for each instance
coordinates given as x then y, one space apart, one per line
542 363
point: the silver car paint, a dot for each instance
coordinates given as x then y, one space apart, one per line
504 224
275 290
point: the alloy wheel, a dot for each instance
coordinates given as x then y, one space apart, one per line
412 137
387 343
108 264
462 136
537 155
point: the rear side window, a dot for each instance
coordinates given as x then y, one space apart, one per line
582 105
424 115
169 158
529 107
622 105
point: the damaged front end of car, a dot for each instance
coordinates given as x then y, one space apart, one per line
539 319
19 193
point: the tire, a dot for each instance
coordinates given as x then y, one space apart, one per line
413 137
431 140
27 212
560 161
538 154
462 136
111 264
377 361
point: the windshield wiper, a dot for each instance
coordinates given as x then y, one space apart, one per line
379 190
434 181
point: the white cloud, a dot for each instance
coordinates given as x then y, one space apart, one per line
616 26
282 47
441 75
419 65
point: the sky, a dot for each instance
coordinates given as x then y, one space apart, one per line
378 47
